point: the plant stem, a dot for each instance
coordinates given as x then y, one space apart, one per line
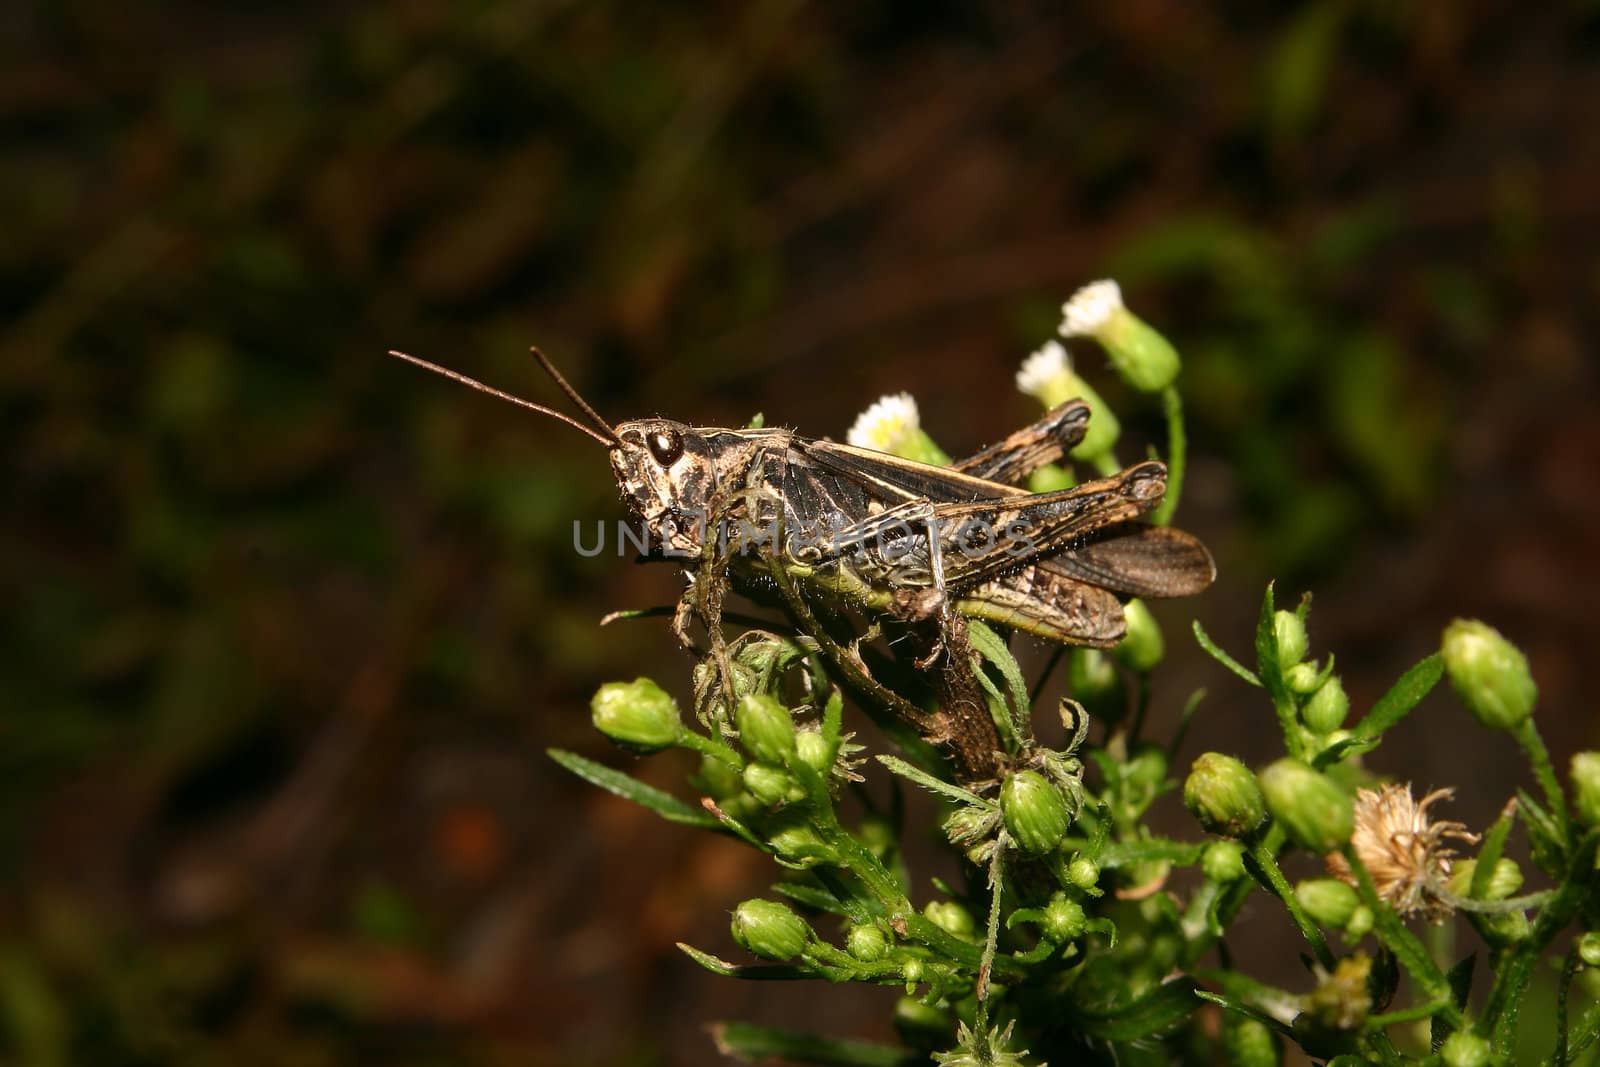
1272 879
1177 453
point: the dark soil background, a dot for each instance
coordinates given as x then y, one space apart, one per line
290 625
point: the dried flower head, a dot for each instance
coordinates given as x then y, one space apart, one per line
1403 850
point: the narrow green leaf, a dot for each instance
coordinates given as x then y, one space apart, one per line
930 783
751 1044
1127 853
628 787
1544 835
992 648
1404 695
811 896
1157 1011
1267 665
1216 653
1494 844
1246 1010
758 972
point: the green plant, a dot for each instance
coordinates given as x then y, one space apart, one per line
1077 933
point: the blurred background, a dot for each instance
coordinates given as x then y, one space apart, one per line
291 624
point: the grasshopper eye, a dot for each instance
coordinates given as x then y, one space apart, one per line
666 447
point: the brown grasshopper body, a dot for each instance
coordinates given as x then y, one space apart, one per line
887 534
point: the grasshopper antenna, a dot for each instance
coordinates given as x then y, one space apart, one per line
609 438
572 394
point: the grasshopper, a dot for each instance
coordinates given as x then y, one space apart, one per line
850 526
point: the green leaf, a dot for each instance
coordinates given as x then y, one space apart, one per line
1544 835
1267 660
1159 1010
757 972
930 783
1246 1010
1127 853
811 896
1222 657
628 787
751 1043
1404 695
1494 844
992 648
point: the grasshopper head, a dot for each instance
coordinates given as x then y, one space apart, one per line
667 475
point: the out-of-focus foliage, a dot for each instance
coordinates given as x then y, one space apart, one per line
288 623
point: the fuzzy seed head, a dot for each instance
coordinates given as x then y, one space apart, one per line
1404 850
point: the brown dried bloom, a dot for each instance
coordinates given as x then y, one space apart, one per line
1403 850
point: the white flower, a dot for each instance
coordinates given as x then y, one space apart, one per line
1090 309
886 425
1043 367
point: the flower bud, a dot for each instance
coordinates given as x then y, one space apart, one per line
770 930
1342 999
800 844
1504 880
970 823
1146 768
1223 862
1503 931
1064 919
815 751
1312 809
1589 948
719 779
921 1026
1303 678
771 785
1036 813
1360 924
766 729
1489 673
1249 1042
1223 794
1327 900
638 715
1584 771
1083 873
1465 1049
1142 647
1142 356
867 943
1048 377
951 917
1096 684
1325 711
1292 640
